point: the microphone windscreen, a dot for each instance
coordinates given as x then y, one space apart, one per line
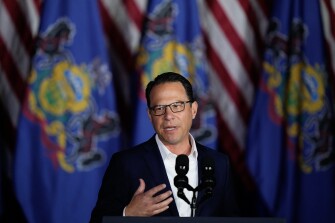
182 164
208 166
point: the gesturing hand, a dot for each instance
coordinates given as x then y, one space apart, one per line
146 204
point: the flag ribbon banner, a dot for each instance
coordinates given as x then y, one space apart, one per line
290 149
69 127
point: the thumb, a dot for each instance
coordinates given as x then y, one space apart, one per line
140 188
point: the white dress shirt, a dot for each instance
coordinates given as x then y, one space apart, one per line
169 160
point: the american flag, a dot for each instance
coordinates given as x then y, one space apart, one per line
328 17
19 21
233 32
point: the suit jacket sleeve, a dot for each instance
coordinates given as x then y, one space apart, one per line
114 194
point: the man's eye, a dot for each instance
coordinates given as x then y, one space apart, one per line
159 108
176 105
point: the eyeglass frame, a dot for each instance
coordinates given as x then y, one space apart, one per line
169 105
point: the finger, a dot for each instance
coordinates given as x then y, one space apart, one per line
155 190
162 206
162 197
155 212
140 188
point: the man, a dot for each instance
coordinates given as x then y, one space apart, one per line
140 181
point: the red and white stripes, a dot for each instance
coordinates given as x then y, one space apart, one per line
122 21
233 32
19 21
328 18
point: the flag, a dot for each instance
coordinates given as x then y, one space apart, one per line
328 15
68 127
19 22
122 22
291 149
172 41
234 33
18 28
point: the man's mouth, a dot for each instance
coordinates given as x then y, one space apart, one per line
170 128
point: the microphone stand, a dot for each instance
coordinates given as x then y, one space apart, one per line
181 181
193 203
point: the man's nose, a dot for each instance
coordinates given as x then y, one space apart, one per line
168 111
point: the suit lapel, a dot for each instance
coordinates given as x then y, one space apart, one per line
156 167
201 155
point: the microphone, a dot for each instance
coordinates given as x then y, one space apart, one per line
181 180
208 180
182 164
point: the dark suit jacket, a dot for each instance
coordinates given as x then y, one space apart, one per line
144 161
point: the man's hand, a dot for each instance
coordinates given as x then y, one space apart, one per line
146 204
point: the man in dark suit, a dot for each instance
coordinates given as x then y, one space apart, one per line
140 181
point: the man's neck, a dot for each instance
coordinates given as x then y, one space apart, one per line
182 148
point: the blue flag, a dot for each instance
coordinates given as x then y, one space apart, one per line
172 41
69 127
291 151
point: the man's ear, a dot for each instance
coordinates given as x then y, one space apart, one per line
194 109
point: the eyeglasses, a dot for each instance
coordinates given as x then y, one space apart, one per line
175 107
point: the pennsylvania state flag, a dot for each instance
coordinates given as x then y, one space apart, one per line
172 41
291 144
69 127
